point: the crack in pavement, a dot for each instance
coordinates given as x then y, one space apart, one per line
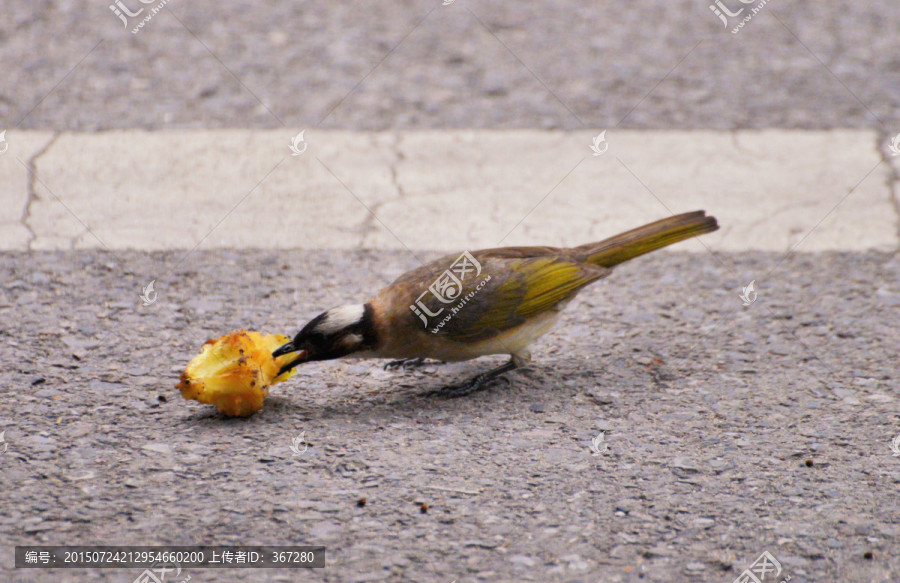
400 157
369 227
31 165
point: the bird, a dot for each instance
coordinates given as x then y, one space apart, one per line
491 301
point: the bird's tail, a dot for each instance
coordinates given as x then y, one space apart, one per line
636 242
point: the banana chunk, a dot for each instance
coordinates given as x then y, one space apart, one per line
234 372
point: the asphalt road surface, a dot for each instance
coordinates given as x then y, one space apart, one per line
729 430
472 64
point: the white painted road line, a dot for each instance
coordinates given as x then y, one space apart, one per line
442 190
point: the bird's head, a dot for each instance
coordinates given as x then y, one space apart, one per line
340 331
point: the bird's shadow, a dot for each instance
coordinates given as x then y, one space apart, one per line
403 394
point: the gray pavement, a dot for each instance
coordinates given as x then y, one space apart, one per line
472 64
729 430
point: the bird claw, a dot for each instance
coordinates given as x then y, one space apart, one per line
473 385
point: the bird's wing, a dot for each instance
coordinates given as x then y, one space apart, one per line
507 292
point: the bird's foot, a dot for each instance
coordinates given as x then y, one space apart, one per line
473 385
404 363
476 383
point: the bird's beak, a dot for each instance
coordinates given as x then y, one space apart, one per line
287 349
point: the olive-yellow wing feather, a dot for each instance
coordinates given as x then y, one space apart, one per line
517 289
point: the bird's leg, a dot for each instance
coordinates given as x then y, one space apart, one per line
481 381
404 363
476 383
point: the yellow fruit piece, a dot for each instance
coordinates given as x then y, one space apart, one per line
234 372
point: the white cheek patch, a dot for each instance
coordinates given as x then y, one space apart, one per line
341 317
